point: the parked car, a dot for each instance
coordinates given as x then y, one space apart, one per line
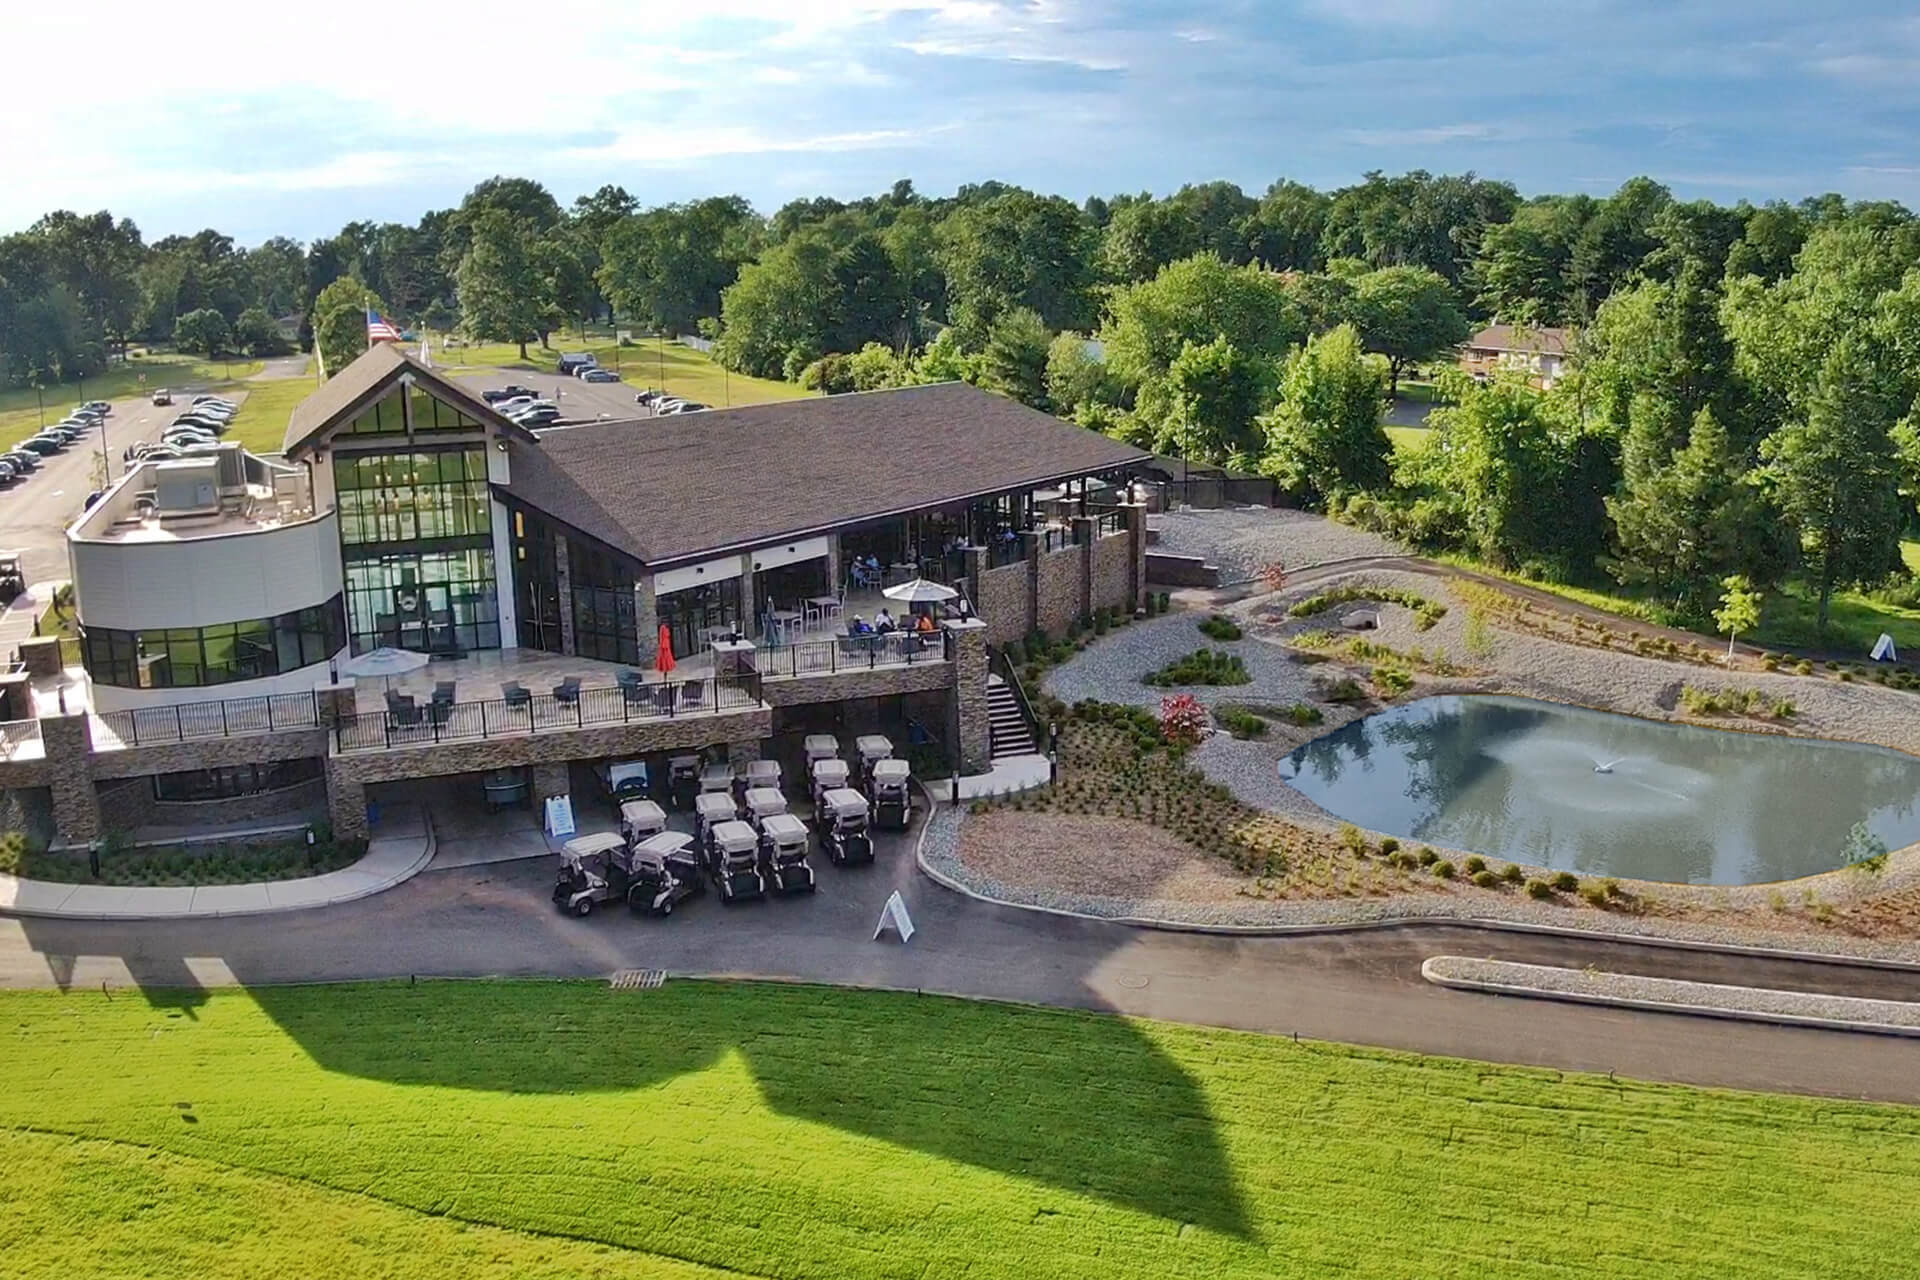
684 406
573 361
215 425
539 416
45 446
206 396
181 439
86 413
101 405
67 431
23 460
515 405
8 474
162 396
599 375
208 411
509 392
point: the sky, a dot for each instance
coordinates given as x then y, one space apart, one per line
264 120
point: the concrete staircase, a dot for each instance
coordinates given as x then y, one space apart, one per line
1008 732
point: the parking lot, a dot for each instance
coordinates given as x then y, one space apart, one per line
577 401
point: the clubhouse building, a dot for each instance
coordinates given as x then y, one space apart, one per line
547 602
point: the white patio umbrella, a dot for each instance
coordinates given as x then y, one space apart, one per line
920 591
385 662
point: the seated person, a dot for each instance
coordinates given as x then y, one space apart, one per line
883 622
923 624
858 627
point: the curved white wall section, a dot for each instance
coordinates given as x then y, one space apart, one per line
140 585
107 697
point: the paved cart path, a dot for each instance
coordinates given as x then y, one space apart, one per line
1362 988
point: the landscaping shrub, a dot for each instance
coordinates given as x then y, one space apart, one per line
1593 894
1512 873
1165 601
1345 689
1317 638
1476 864
1218 626
1183 722
1202 666
1486 879
1301 715
1427 856
1425 612
1443 869
1392 681
1537 888
1239 721
1565 881
1742 702
1389 845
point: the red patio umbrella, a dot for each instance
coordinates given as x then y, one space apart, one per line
663 660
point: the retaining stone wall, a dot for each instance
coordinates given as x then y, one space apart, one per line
1059 583
1113 572
1003 602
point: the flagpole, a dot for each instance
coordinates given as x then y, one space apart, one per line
369 318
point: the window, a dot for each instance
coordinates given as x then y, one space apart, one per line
233 780
604 624
220 653
426 601
431 494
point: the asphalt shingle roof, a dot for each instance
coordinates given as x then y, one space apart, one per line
686 485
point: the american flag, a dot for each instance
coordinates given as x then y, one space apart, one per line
379 329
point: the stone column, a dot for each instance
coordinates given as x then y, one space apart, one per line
41 654
550 779
973 742
1031 544
335 704
646 620
1136 514
76 805
346 803
563 576
749 607
975 562
1086 532
836 581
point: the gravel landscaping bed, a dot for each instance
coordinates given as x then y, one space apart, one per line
1629 990
1240 541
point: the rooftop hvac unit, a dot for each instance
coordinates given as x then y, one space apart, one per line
233 466
187 487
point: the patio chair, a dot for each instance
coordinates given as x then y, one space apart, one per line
443 691
693 694
440 710
633 691
515 694
567 690
402 711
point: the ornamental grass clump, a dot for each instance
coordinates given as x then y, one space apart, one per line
1202 667
1218 626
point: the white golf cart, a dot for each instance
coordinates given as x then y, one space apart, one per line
663 870
640 820
763 803
842 816
593 869
872 748
892 796
783 841
828 775
733 859
710 809
821 746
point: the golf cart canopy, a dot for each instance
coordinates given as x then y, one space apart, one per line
714 806
593 846
822 746
785 829
716 777
764 802
873 747
763 773
735 838
829 773
642 815
844 802
890 771
664 845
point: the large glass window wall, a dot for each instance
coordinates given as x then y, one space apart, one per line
221 653
423 494
426 601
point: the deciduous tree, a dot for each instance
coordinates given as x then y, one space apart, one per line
1324 438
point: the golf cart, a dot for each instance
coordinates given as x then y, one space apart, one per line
842 815
624 780
710 809
593 869
821 746
717 777
783 843
641 820
733 858
664 871
872 749
763 773
683 781
828 775
13 579
892 801
763 803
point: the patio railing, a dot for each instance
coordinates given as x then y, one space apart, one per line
427 723
16 736
851 653
193 721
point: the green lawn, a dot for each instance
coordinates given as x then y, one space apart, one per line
20 413
670 367
542 1128
261 424
1408 439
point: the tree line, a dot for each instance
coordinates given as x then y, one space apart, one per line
1739 402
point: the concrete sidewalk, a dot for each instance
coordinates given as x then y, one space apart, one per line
400 852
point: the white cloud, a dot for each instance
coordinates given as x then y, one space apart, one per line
658 149
1428 135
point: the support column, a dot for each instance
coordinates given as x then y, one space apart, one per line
646 621
836 581
974 562
41 655
1031 543
346 804
973 742
1136 513
1086 532
749 607
563 576
549 780
335 704
76 805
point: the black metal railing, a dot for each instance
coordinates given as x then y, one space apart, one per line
1001 665
228 718
852 653
426 723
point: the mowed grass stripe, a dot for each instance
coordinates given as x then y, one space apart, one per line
803 1132
81 1207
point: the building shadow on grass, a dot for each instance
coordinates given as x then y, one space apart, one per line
1080 1101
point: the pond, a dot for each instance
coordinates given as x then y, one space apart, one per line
1611 795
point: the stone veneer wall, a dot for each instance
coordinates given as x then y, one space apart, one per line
880 682
1003 603
210 753
970 690
130 802
1113 572
1058 582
